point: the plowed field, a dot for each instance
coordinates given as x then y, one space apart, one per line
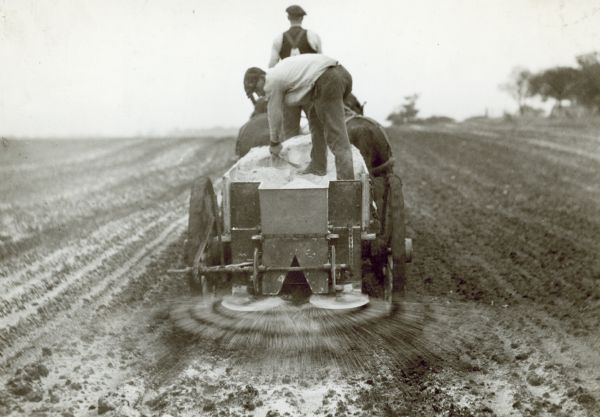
500 317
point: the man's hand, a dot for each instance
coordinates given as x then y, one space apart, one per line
275 149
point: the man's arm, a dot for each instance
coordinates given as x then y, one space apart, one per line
275 115
275 51
315 41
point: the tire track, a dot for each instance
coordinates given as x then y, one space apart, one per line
18 302
98 294
45 282
22 272
71 182
77 284
445 185
130 195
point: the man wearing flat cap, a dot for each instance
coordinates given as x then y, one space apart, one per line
296 40
319 84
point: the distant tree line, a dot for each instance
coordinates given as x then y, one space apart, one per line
580 85
408 111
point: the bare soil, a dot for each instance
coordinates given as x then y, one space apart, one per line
500 314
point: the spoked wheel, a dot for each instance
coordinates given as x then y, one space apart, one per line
388 251
200 248
388 280
396 220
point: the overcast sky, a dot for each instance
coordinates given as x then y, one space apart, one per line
123 67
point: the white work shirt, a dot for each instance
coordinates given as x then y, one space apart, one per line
295 76
313 40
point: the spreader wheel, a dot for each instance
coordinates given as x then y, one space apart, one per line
396 221
388 279
387 252
200 248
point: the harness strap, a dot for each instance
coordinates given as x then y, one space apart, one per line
385 167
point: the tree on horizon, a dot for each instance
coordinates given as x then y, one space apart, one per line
407 112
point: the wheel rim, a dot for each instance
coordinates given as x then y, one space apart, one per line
388 284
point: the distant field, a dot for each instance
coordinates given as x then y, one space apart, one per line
506 279
49 185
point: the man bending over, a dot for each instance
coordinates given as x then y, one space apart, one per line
319 84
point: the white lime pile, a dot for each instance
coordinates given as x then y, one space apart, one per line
302 182
258 166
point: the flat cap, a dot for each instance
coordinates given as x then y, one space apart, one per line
295 10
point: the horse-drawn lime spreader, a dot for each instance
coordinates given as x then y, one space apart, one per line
275 235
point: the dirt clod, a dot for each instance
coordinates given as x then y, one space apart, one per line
586 399
522 356
535 379
209 406
34 395
75 386
53 397
19 386
105 405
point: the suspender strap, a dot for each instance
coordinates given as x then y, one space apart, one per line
294 41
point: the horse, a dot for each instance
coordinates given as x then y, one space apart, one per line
255 132
386 190
369 137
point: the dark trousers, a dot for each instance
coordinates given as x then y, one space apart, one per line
291 120
328 123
